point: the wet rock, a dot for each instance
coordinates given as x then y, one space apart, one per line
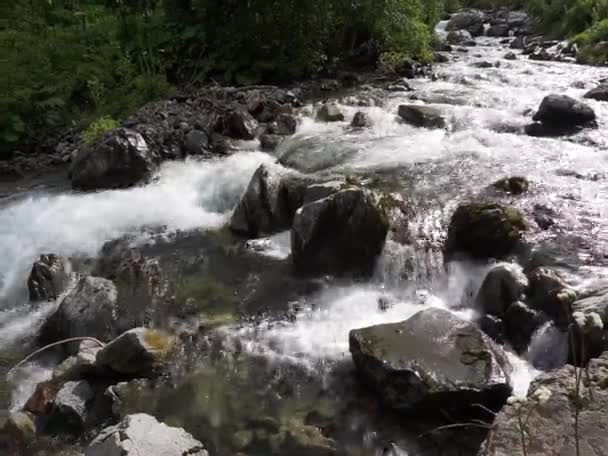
142 434
302 440
493 327
564 111
361 120
422 116
444 47
284 125
139 282
549 130
321 190
515 185
21 427
544 216
549 293
239 124
330 112
327 235
591 339
70 406
220 144
459 37
549 413
269 203
471 21
482 64
269 143
196 142
503 285
521 322
518 43
600 93
485 230
42 399
440 58
89 309
498 30
50 276
80 366
433 361
121 159
138 352
510 56
541 54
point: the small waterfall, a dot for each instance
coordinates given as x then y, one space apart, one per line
548 347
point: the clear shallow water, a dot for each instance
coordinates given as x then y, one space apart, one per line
432 170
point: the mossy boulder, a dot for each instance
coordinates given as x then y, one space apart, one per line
431 362
137 352
485 230
341 234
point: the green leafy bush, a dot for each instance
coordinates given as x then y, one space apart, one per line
100 127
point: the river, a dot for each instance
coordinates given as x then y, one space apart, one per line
296 360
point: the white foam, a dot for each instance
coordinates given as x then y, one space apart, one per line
187 195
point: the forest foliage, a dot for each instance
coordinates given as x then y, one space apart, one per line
70 62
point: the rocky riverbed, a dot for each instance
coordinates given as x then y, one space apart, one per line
366 266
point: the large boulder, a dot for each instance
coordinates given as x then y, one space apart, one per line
561 114
485 230
459 37
432 362
141 434
422 116
121 159
548 414
503 285
270 202
471 21
50 276
498 30
342 234
137 352
600 93
90 309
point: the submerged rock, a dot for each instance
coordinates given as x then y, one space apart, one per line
341 234
89 309
141 434
299 439
49 277
137 352
330 112
485 230
431 362
549 412
422 116
120 159
510 56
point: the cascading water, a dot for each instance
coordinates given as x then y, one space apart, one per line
432 169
